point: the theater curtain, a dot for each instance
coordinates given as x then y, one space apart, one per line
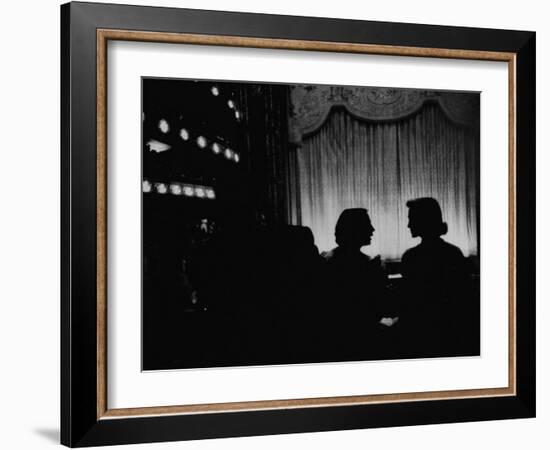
351 163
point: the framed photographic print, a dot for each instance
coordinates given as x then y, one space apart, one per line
276 224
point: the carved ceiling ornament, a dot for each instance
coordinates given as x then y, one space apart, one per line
311 105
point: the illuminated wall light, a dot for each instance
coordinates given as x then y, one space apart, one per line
236 157
237 115
184 134
215 91
157 146
163 126
228 153
175 189
188 191
231 104
216 148
201 141
161 188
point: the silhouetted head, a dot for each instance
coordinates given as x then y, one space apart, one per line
354 228
425 218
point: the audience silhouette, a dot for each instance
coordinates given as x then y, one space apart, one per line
435 281
275 300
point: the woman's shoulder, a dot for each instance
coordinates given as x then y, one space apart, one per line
336 254
441 248
451 250
412 252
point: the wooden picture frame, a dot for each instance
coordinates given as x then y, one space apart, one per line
86 418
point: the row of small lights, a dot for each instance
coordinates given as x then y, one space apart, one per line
185 189
230 103
201 141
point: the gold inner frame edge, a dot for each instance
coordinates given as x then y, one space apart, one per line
103 36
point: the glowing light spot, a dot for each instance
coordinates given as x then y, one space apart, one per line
163 126
146 186
157 146
175 189
210 194
161 188
228 153
188 191
184 134
215 91
231 104
237 115
201 141
199 192
236 157
216 148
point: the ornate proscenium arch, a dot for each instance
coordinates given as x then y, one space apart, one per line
311 105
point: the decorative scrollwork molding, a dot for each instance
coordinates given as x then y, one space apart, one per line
311 105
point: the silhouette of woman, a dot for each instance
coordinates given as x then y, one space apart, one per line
355 282
434 279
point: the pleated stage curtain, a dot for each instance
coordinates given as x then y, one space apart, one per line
349 163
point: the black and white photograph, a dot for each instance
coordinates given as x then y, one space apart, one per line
299 224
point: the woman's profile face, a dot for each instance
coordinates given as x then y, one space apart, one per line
414 224
369 231
362 231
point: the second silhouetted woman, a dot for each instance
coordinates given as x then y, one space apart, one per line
435 284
